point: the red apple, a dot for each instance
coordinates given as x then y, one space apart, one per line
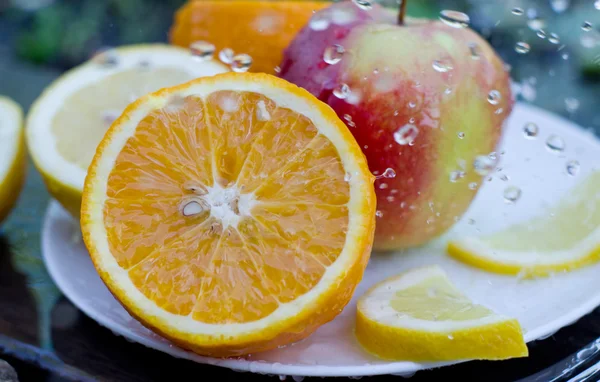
426 99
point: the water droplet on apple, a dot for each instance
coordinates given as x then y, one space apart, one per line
378 213
363 4
559 6
442 65
226 55
454 19
406 134
341 91
383 186
461 135
320 21
202 50
333 54
522 47
241 62
411 104
586 26
541 33
474 49
555 144
450 337
518 11
553 38
536 23
571 104
472 186
494 97
389 173
531 130
483 164
512 194
456 175
572 167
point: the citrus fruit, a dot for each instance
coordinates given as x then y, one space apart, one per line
70 117
421 316
262 29
12 155
565 237
231 214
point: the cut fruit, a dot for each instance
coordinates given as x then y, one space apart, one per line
420 316
565 238
262 29
232 214
13 160
69 119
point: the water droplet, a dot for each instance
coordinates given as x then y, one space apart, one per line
109 116
461 135
107 58
483 164
471 221
349 121
406 134
512 194
472 186
559 6
450 337
494 97
571 104
572 167
518 11
553 38
226 55
277 69
347 177
388 173
597 4
455 176
410 104
202 50
241 62
383 186
522 47
378 213
333 54
541 33
341 91
454 19
320 21
586 26
282 377
363 4
442 65
474 49
555 144
504 178
536 23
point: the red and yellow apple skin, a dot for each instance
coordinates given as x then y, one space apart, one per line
448 82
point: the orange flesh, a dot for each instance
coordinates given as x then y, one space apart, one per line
276 248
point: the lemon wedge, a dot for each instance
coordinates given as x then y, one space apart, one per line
421 316
12 155
69 119
566 237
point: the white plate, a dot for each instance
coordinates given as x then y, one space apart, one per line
542 306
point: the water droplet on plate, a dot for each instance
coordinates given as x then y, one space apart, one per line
555 144
202 50
454 19
494 97
363 4
442 65
512 194
531 130
597 4
586 26
536 23
541 33
341 91
553 38
522 47
559 6
333 54
572 167
406 134
226 55
241 62
518 11
571 104
471 221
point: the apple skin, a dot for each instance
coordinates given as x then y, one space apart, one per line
390 72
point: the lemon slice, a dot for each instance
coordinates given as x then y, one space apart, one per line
566 237
421 316
69 119
12 155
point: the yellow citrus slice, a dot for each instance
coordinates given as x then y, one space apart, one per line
565 237
70 117
421 316
12 155
231 214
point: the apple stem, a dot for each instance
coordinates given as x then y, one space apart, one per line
402 12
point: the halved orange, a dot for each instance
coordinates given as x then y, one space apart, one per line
262 29
231 214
